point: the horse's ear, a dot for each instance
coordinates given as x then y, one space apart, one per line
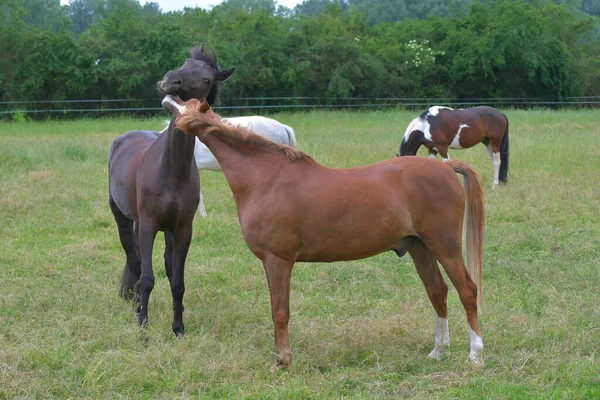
224 75
204 106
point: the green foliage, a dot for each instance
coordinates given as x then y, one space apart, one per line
103 49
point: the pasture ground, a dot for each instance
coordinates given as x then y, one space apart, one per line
358 329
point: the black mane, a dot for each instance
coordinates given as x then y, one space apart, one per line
200 54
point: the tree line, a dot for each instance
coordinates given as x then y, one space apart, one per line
109 49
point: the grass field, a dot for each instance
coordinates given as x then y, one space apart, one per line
358 329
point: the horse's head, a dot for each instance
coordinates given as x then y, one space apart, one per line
198 78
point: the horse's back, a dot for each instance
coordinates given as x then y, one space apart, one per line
132 141
267 128
263 126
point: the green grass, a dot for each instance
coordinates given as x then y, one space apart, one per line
358 329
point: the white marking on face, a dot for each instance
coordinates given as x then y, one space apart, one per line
442 337
456 141
169 99
476 344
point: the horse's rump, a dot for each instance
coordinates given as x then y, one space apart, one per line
124 158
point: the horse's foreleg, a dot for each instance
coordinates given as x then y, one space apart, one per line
131 272
443 150
147 234
495 156
278 276
181 245
437 290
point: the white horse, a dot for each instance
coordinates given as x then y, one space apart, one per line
266 127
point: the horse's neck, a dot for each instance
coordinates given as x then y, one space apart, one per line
243 162
178 151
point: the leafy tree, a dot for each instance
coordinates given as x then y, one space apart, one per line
311 8
84 13
511 49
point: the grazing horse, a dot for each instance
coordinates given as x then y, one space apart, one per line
266 127
153 186
293 209
442 128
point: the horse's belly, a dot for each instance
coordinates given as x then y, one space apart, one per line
352 239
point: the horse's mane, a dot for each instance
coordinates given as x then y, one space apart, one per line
200 117
201 54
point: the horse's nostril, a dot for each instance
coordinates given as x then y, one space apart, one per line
176 82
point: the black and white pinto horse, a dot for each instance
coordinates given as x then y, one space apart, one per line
442 128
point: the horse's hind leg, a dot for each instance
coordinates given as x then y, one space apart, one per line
127 235
454 265
201 208
181 244
437 290
168 255
494 152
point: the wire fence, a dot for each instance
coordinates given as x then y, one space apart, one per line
257 105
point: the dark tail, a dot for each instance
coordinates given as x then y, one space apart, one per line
402 146
503 173
128 282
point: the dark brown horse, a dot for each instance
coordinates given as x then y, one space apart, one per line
442 128
154 185
293 209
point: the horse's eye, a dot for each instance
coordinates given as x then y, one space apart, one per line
206 80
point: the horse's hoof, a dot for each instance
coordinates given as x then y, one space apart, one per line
476 359
284 359
178 333
437 353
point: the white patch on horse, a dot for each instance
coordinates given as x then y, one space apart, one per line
422 124
418 124
435 110
496 162
476 344
168 99
456 141
442 337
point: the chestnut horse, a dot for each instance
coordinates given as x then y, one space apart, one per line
293 209
154 185
442 128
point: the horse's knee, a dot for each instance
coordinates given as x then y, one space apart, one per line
178 290
281 317
146 283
